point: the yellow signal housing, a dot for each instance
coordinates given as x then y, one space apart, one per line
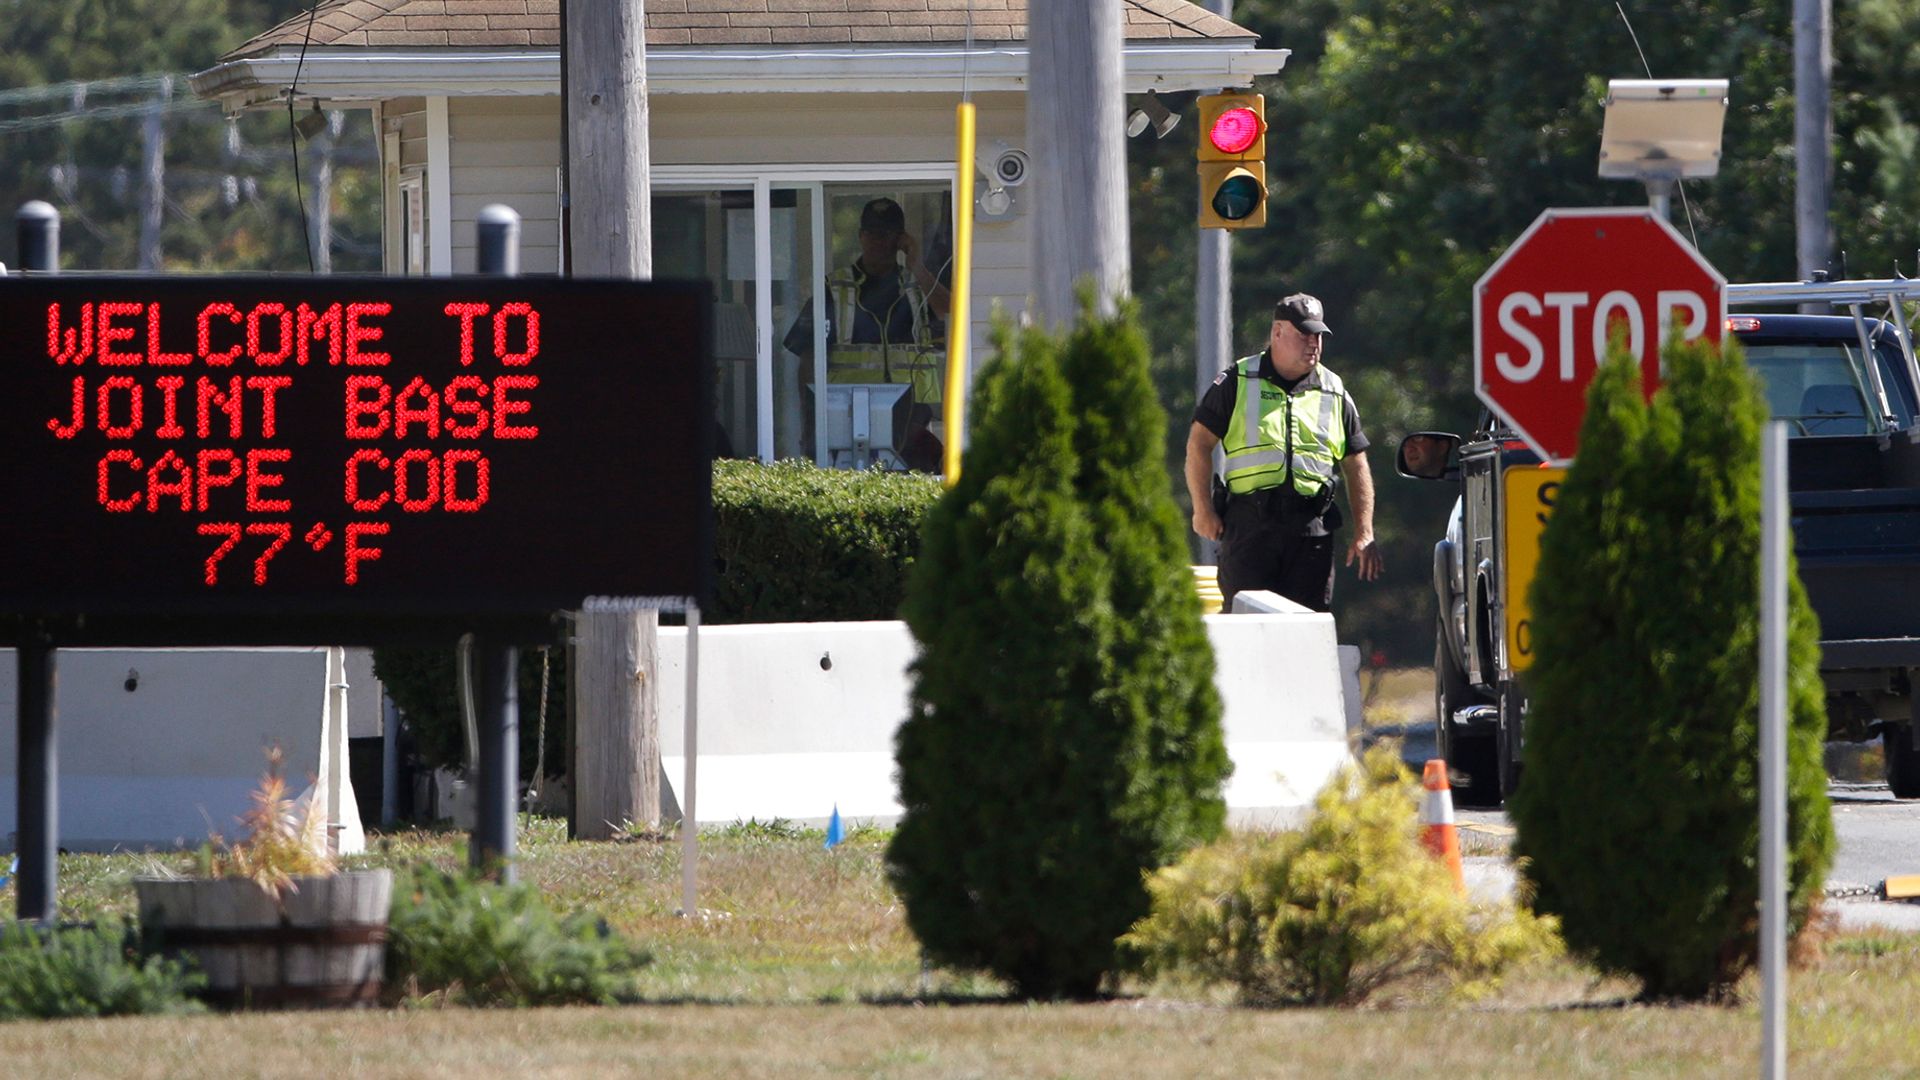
1233 160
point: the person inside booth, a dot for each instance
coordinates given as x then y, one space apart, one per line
885 313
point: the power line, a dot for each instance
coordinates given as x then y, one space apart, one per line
105 112
81 89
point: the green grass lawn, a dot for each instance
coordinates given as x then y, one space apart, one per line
802 966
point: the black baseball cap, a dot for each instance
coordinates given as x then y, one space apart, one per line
883 215
1304 312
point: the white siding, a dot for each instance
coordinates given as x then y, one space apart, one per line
507 150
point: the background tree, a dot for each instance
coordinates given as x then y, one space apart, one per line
76 79
1412 140
1064 733
1639 813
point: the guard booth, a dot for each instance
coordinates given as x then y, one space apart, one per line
770 132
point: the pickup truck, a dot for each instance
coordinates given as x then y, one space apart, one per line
1846 384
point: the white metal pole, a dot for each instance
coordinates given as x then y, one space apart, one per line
1773 750
689 829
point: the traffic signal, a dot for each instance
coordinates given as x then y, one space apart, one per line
1233 161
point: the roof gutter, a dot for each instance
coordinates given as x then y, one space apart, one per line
347 75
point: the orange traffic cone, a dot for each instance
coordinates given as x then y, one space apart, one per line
1440 835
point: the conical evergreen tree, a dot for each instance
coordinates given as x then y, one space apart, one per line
1164 694
1639 812
1064 731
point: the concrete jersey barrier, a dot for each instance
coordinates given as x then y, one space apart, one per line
798 718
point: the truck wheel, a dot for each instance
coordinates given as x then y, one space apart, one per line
1903 760
1474 758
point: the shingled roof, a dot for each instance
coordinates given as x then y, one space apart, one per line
534 23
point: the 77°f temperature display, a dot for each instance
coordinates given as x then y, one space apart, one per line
258 454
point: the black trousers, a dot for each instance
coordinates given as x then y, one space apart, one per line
1261 550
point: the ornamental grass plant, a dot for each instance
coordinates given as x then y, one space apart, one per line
1349 907
283 839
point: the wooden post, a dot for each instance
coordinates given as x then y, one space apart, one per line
1076 133
608 183
616 758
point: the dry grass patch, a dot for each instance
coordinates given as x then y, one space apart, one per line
742 993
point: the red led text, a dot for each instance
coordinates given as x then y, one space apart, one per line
130 334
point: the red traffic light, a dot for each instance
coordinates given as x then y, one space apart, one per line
1235 130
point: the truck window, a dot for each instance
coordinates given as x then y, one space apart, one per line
1821 388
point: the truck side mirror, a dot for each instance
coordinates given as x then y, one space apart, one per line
1429 455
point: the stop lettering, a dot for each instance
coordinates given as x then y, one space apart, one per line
1543 315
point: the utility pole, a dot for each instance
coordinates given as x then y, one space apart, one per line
1213 308
323 192
153 176
1812 134
1075 122
616 754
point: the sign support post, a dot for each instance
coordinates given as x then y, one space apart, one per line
39 806
38 801
492 846
1774 546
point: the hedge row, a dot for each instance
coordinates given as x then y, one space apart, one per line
792 543
797 543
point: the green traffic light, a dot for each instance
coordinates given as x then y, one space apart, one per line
1237 198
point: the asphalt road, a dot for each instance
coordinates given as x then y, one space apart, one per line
1879 838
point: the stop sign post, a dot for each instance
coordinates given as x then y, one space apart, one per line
1543 314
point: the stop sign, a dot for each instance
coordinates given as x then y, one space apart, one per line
1543 313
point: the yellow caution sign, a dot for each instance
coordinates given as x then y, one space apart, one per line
1530 494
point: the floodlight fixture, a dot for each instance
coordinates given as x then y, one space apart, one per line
1661 131
311 124
1160 111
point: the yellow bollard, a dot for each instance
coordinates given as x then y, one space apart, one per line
1207 581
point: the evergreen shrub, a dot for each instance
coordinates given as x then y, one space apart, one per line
1063 736
1639 811
1344 908
424 683
475 942
88 971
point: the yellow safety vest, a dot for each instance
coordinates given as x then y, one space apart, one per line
1276 436
914 361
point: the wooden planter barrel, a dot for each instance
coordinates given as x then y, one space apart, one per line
321 946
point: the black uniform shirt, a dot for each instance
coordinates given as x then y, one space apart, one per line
1216 406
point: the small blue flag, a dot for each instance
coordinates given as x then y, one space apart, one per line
835 832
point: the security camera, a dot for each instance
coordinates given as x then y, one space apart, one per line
1003 165
1010 165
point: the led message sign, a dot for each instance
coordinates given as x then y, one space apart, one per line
250 461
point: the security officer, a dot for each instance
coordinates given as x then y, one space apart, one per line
1286 422
883 305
